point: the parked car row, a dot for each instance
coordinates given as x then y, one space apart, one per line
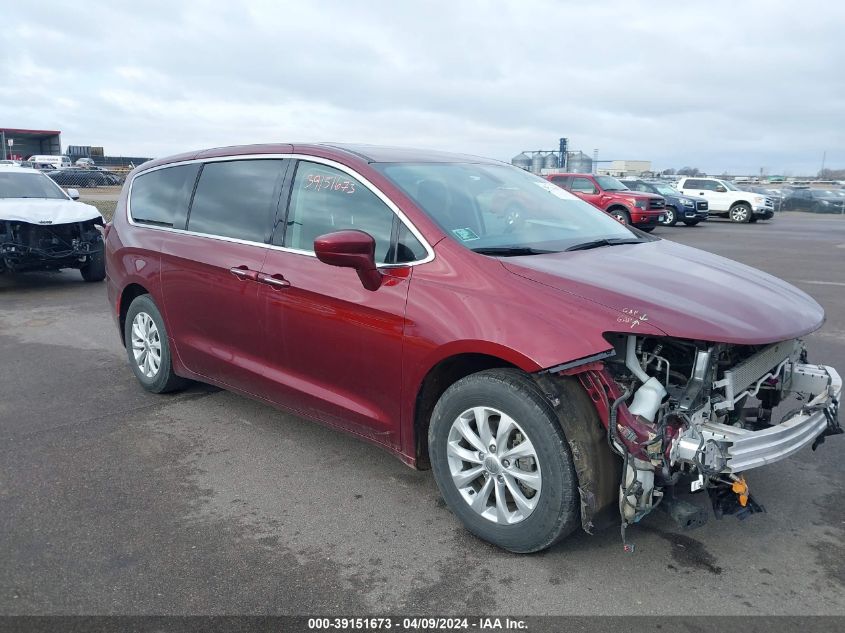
84 173
641 203
815 200
803 198
644 210
85 177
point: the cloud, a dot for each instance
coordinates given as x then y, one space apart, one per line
722 86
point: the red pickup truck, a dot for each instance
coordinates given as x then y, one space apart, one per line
643 210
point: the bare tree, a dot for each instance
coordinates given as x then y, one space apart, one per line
832 174
689 171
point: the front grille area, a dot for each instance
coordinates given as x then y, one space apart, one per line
656 204
742 376
770 202
701 205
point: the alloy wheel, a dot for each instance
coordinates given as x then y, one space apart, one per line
494 465
739 214
146 344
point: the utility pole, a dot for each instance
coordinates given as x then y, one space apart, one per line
595 160
824 156
3 139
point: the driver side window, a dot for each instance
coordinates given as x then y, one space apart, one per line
324 199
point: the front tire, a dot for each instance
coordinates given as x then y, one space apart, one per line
148 347
740 213
622 216
95 268
670 216
502 462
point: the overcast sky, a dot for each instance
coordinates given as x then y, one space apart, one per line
722 86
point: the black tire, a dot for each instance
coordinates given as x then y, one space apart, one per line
671 216
753 219
621 215
740 213
647 229
95 268
164 380
691 222
511 392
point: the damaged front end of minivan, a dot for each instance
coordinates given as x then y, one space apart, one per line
701 414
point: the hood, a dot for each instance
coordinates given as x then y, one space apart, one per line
682 291
46 211
680 196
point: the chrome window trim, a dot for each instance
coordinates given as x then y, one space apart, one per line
314 159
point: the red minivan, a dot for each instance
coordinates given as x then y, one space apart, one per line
541 358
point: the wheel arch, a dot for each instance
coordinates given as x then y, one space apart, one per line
127 296
436 381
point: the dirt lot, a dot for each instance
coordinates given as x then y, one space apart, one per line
113 500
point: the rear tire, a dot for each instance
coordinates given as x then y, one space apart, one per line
95 268
502 462
148 347
740 213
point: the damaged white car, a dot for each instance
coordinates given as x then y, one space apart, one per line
44 228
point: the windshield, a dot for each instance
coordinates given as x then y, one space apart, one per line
28 185
609 183
729 186
488 207
665 190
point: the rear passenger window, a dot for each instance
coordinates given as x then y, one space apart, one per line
161 197
237 199
694 184
324 199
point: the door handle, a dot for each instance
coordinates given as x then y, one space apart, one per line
244 273
277 282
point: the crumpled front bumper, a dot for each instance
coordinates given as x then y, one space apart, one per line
732 450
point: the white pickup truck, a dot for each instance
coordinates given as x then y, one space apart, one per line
727 201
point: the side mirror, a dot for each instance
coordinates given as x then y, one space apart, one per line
73 193
721 189
350 249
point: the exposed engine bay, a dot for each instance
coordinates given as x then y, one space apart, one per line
701 413
25 246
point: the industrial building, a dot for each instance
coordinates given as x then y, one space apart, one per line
626 168
550 161
21 144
